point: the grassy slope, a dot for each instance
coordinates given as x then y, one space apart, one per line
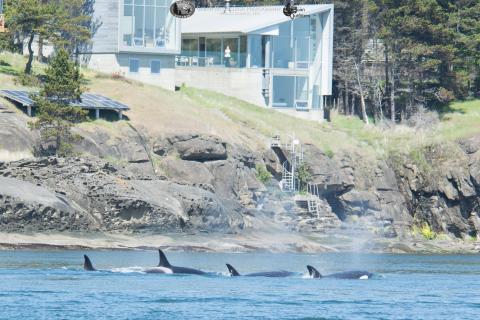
161 112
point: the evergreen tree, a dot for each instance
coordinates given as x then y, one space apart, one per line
61 22
56 116
29 18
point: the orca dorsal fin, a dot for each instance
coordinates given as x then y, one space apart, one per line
87 264
163 260
232 271
314 272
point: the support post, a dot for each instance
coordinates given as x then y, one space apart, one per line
120 115
97 114
29 111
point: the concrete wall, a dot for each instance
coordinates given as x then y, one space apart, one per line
245 84
119 63
105 20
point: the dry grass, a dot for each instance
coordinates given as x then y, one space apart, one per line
8 156
161 112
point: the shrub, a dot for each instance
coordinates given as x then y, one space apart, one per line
329 153
262 173
425 230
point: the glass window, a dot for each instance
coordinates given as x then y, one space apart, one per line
243 52
190 47
161 35
301 88
128 11
230 52
214 52
138 27
147 24
155 66
133 65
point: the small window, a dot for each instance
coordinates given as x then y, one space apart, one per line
155 66
133 65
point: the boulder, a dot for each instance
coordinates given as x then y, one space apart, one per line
114 198
194 147
17 141
25 206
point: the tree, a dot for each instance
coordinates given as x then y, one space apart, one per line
61 22
29 18
56 116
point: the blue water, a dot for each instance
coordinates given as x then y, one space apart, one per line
52 285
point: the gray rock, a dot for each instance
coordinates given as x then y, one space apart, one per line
194 147
187 171
25 204
115 199
16 139
471 145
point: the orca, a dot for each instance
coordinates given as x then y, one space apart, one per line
87 264
165 267
357 275
271 274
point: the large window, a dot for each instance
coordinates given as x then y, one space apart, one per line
147 24
290 92
228 52
214 52
292 47
190 47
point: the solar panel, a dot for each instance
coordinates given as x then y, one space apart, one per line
88 100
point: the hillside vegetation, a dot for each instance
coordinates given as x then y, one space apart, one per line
159 112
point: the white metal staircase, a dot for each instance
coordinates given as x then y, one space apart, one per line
313 199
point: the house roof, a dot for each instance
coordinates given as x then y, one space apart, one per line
241 19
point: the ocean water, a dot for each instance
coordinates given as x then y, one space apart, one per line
53 285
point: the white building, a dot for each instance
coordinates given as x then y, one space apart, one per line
259 55
136 38
254 53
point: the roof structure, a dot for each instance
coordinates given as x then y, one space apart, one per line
241 19
88 100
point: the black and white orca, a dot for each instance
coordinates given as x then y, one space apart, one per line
271 274
357 275
165 267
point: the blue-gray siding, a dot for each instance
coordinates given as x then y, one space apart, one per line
106 15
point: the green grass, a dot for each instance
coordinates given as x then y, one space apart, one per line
262 174
14 64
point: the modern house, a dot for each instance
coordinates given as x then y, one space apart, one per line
259 55
135 38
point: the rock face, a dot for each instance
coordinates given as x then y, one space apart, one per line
91 193
193 147
16 139
24 205
390 197
125 181
445 192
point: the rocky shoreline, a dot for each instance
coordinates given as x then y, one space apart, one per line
221 243
125 184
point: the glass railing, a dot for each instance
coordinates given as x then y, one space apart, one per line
210 61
